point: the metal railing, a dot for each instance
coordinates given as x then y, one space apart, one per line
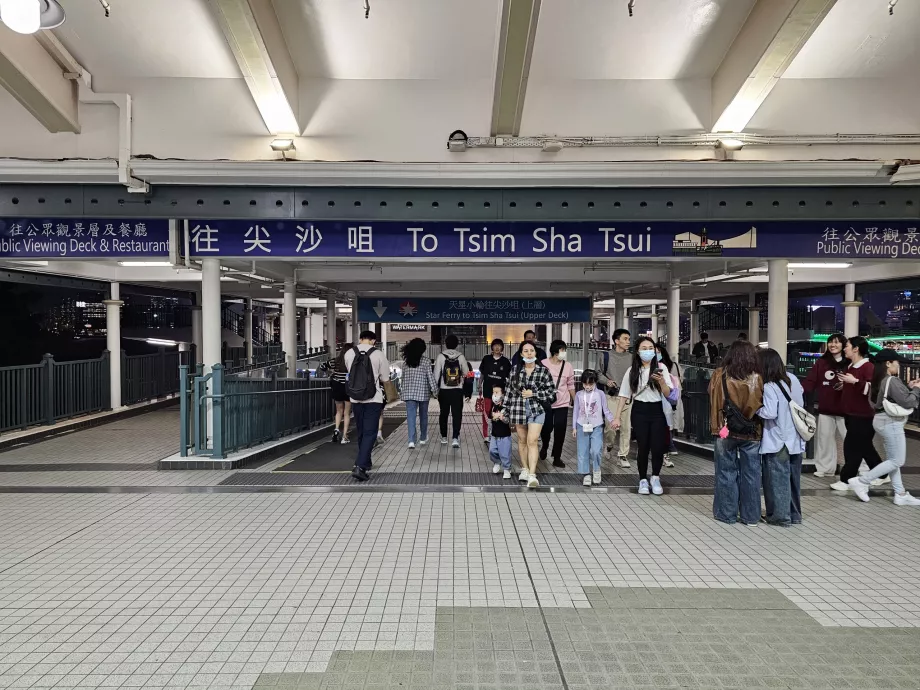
145 377
246 411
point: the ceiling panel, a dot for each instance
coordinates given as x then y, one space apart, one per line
402 39
665 39
859 39
153 38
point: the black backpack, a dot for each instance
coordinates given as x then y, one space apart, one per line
735 420
361 384
452 374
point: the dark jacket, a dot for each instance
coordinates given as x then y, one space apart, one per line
821 379
500 429
494 372
517 361
699 350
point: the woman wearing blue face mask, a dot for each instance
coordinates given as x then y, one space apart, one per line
647 384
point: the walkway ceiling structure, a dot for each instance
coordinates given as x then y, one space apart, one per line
820 93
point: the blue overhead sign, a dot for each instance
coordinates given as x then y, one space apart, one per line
474 310
83 238
558 240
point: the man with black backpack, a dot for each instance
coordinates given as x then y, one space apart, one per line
367 370
450 369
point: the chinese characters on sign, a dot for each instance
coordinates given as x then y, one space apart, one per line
46 238
870 241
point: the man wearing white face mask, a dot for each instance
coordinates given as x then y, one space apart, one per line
557 417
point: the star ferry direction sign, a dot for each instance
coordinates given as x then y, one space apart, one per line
558 240
474 310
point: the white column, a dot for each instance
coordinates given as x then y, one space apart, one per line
753 319
567 333
674 319
210 313
316 329
354 326
549 336
247 328
196 332
654 330
289 326
619 310
384 327
305 328
694 321
113 344
330 324
850 310
778 305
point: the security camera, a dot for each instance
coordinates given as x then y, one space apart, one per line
456 142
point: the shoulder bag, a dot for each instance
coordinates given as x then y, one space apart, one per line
892 409
735 420
805 423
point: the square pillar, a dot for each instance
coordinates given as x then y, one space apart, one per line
113 344
289 326
850 310
778 305
673 323
247 328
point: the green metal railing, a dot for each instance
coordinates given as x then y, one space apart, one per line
246 411
145 377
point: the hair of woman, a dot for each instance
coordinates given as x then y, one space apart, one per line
772 367
412 352
741 361
665 357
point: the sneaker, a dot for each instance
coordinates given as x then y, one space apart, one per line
860 489
558 463
523 476
496 468
624 462
487 440
411 445
587 480
345 441
506 474
668 462
336 436
596 479
643 487
360 474
532 482
456 443
443 441
656 486
840 486
819 474
423 442
906 500
881 481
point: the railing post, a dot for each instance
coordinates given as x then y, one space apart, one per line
183 410
217 387
106 397
48 362
161 373
24 397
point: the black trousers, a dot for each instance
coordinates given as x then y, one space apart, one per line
556 425
650 429
451 402
857 446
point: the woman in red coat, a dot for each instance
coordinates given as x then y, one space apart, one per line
822 380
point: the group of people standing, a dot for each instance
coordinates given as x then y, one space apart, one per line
753 404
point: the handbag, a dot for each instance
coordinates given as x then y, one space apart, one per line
804 421
892 409
735 421
390 392
673 396
480 404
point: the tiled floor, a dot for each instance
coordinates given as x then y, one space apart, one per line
452 590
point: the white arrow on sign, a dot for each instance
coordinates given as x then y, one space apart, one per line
379 309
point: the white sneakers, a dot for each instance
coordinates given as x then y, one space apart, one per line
860 489
587 480
423 442
643 487
506 474
597 477
496 468
668 462
523 476
906 500
443 441
624 463
656 486
821 475
532 482
839 486
411 445
455 443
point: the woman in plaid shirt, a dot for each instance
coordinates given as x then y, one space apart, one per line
529 386
417 387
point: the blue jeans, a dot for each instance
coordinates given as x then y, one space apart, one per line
415 408
367 417
590 448
782 484
737 481
500 451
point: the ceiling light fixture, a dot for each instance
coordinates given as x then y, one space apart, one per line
30 16
731 144
457 141
144 263
283 145
812 264
158 341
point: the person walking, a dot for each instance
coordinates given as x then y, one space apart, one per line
781 447
418 387
822 381
611 372
337 379
530 392
500 435
858 412
563 375
647 385
450 368
735 395
889 421
529 338
705 351
367 369
677 416
494 370
590 411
